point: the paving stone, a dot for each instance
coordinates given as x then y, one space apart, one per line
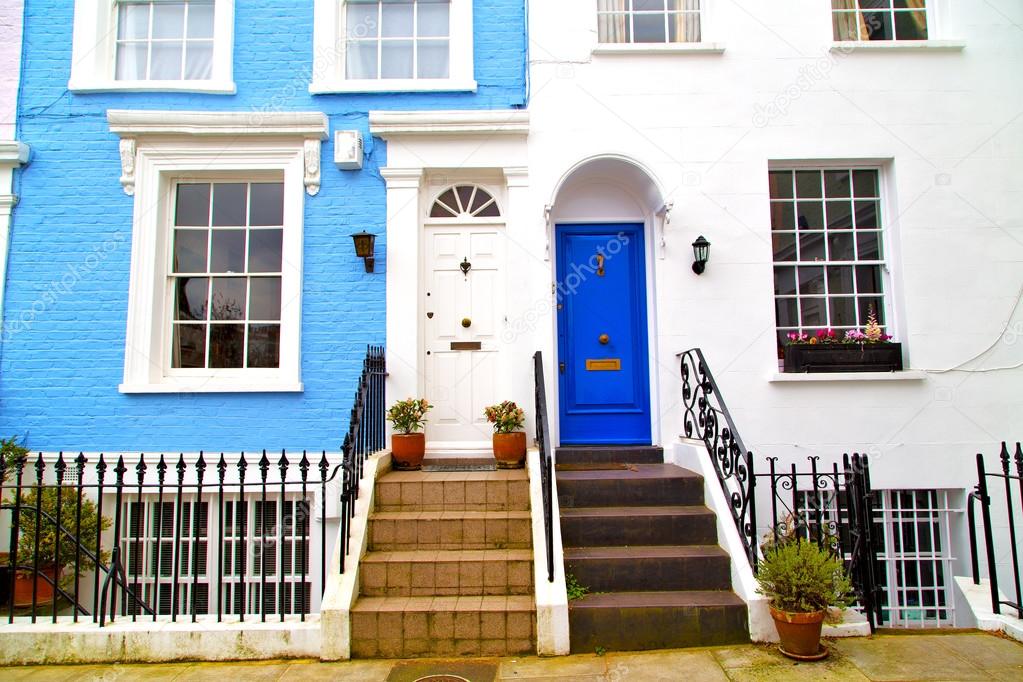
217 672
349 671
982 650
908 657
698 666
553 668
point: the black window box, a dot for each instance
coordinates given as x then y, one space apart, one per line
851 357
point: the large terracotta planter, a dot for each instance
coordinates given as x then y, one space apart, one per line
800 633
24 580
407 451
510 450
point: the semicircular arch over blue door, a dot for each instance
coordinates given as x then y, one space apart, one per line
603 352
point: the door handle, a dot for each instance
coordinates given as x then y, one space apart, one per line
561 367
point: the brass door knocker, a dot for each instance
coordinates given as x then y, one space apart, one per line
600 265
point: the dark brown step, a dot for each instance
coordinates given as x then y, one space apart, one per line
656 568
632 621
622 454
611 526
635 484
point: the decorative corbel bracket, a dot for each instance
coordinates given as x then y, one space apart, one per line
665 215
547 231
311 154
128 151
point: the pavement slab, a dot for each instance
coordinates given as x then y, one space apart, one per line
909 657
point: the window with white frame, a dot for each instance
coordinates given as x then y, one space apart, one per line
649 21
862 20
392 45
214 298
829 250
153 45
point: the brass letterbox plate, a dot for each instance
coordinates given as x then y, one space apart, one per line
604 365
466 345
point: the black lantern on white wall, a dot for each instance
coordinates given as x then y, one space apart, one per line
701 254
364 242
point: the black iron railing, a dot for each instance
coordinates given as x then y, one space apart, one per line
546 463
983 494
706 418
365 436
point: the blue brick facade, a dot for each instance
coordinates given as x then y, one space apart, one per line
67 288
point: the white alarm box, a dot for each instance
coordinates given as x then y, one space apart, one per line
348 149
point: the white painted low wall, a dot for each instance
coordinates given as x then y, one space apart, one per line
22 643
978 601
552 636
343 588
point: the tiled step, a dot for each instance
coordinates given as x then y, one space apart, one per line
409 627
636 484
503 490
635 454
622 569
447 573
632 621
423 530
664 525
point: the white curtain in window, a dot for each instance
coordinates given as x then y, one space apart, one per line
848 25
687 28
612 27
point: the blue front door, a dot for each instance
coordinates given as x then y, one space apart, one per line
602 335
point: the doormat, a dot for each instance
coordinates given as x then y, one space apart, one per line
459 466
595 467
444 671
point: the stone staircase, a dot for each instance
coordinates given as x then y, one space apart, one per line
449 567
638 536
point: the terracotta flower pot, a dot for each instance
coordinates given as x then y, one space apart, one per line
510 450
24 580
407 451
800 633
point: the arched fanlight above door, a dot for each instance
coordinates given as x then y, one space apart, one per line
465 201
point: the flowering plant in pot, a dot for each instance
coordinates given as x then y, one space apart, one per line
509 440
803 581
857 350
408 445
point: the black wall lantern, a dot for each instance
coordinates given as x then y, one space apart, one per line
364 242
701 254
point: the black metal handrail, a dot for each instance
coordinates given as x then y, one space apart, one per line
365 436
707 418
546 463
981 494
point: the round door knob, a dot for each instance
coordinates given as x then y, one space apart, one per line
466 322
603 338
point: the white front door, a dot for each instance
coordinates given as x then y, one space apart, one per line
464 315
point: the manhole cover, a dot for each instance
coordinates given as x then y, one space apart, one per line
442 678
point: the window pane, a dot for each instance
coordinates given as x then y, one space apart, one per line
168 20
361 60
813 312
613 28
266 203
199 61
866 305
648 28
868 245
193 205
647 5
434 59
200 20
911 25
133 22
264 345
191 298
189 346
878 25
784 244
361 19
811 280
843 312
396 19
780 183
265 250
226 342
433 18
396 59
836 184
265 298
190 250
166 61
683 27
811 246
785 281
840 280
868 279
787 312
482 197
840 246
865 184
229 203
811 215
131 61
867 215
839 215
228 298
808 184
782 216
228 254
845 25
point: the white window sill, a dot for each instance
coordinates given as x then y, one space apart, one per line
813 377
208 87
212 386
392 85
850 46
659 48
